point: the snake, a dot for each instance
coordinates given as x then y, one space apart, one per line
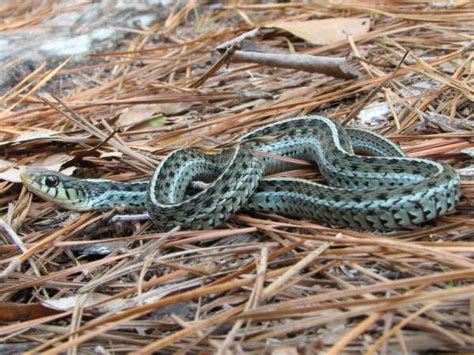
369 182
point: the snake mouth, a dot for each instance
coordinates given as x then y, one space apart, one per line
25 178
30 179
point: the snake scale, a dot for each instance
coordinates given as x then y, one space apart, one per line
384 191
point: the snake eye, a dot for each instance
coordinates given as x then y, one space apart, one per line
51 181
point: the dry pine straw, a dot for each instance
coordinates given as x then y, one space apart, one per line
259 282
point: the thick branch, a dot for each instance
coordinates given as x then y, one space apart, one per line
337 67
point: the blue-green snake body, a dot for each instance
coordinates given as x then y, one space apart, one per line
384 191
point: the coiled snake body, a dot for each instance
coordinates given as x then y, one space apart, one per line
382 192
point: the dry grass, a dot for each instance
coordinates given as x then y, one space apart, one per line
260 283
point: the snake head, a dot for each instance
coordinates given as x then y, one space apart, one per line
54 187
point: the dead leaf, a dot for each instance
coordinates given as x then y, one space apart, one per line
68 303
69 170
468 151
5 164
173 108
141 113
29 136
137 114
285 350
12 175
114 154
52 162
13 312
322 32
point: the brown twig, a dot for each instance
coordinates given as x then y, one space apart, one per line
336 67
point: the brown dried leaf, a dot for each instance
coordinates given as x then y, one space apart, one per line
12 175
322 32
141 113
52 162
285 350
12 312
5 165
30 136
67 303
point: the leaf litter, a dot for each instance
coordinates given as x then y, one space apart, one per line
260 283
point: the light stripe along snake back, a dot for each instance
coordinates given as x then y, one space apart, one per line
384 191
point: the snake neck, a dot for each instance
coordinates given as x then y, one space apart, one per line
130 197
85 194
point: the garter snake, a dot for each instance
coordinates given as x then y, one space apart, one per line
384 191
